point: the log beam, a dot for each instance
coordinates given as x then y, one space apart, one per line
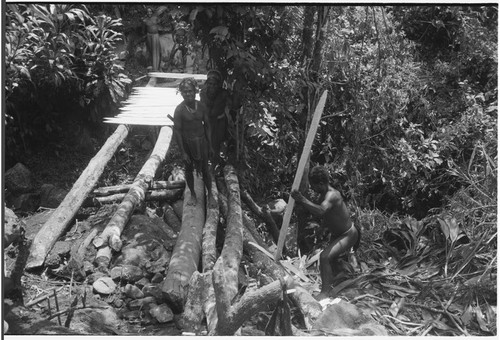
111 234
60 219
187 251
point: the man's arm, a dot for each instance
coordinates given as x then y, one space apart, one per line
331 199
208 128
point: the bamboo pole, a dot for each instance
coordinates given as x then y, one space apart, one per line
60 219
177 75
300 171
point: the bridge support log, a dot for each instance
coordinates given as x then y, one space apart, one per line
136 194
60 219
187 251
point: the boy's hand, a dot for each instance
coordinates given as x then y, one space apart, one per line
297 195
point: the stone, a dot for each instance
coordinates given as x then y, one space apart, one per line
346 319
13 227
18 179
162 313
26 202
142 304
133 292
59 251
127 273
132 315
157 278
51 196
94 277
153 290
104 285
142 282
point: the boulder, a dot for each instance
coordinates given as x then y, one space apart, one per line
345 319
13 228
153 290
18 179
29 202
35 222
51 196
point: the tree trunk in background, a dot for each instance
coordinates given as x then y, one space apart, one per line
307 33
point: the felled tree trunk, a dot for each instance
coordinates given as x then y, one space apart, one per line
167 195
225 274
111 234
271 270
156 185
187 251
209 251
170 217
60 219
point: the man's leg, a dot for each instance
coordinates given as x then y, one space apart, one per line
207 178
328 260
190 182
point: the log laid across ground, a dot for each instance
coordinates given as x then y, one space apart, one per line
187 251
60 219
111 234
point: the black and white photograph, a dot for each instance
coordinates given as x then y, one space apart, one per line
249 169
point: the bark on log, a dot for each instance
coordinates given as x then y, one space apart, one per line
263 213
60 219
170 217
209 250
271 270
225 272
250 304
193 310
156 185
187 251
169 195
136 194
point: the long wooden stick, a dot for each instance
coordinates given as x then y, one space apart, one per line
300 171
64 214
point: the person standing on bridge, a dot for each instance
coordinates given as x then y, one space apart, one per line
151 25
192 134
216 98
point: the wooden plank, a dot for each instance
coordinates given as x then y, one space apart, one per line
177 75
60 219
300 171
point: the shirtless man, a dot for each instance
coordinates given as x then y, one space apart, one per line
336 219
151 23
216 99
191 131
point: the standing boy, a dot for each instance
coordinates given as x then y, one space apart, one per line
192 131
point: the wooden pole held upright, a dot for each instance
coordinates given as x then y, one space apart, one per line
300 171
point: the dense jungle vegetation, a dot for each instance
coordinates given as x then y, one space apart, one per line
409 131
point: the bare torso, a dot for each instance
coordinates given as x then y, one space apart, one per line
191 120
336 219
151 24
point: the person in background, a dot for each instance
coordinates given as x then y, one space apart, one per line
336 219
192 131
151 26
215 97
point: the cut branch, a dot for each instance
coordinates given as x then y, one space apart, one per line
263 213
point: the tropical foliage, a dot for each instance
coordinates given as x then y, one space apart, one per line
409 132
58 59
